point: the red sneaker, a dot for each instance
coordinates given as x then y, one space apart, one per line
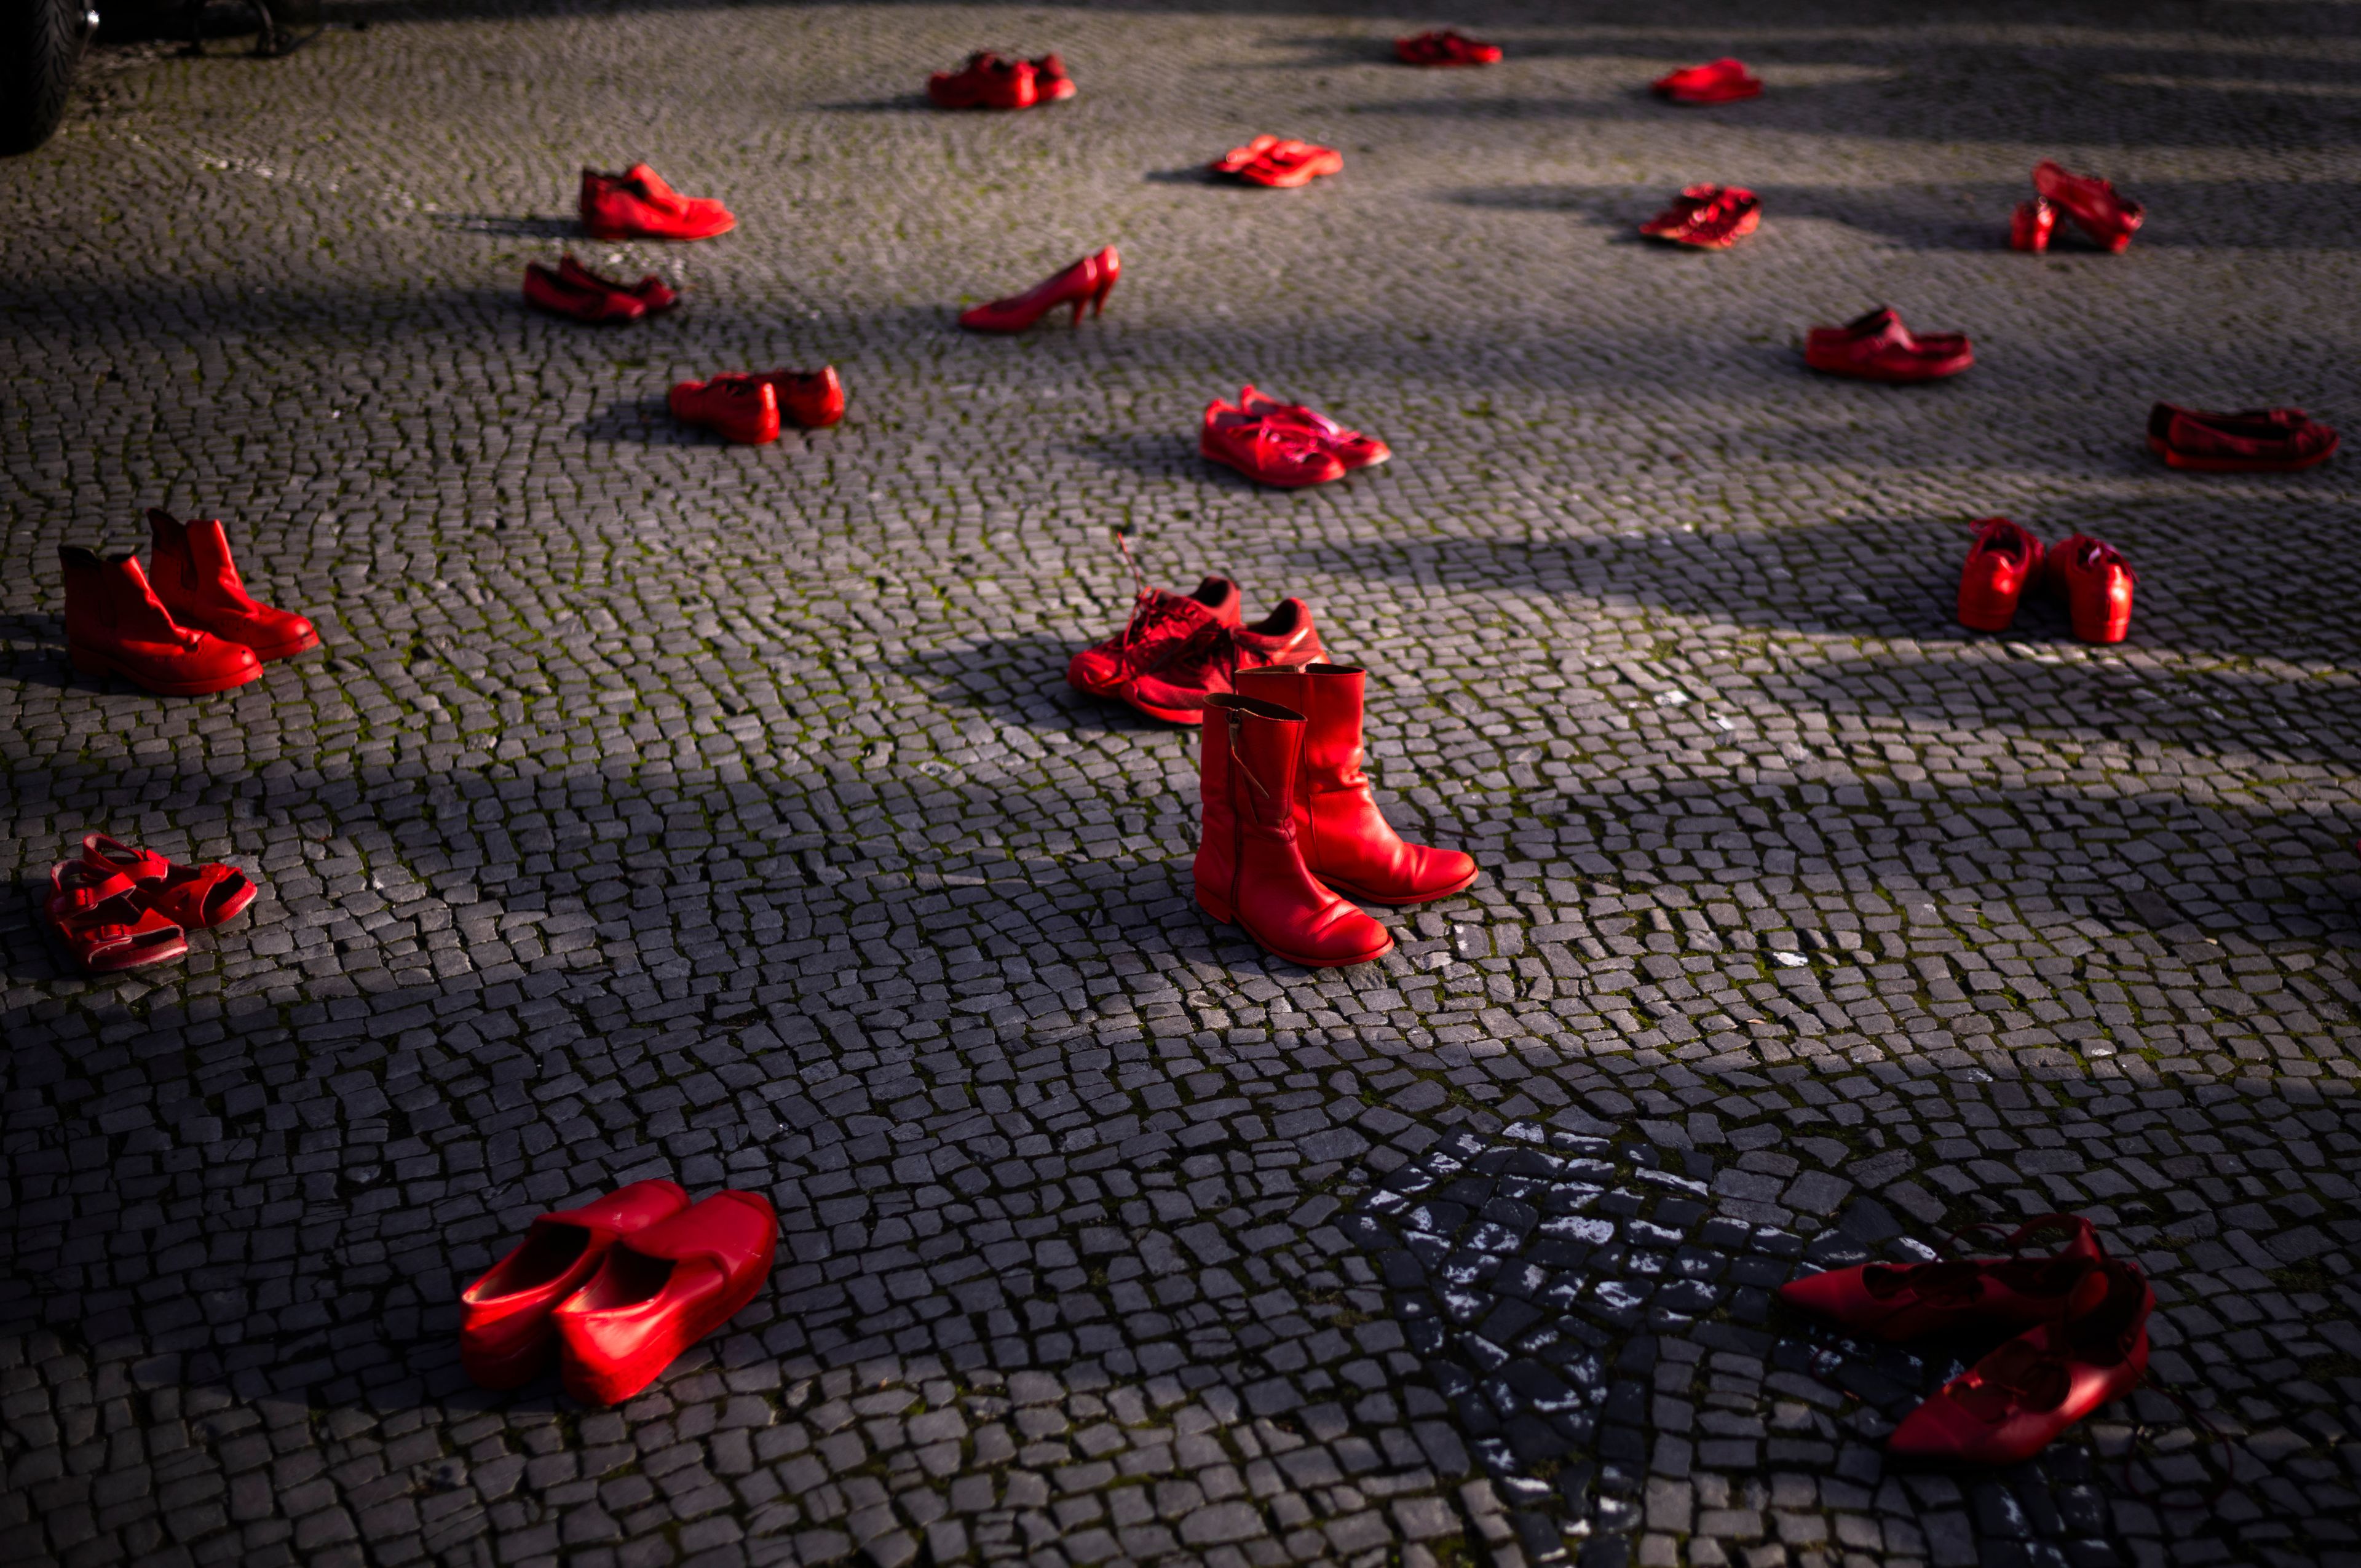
812 398
1163 625
1897 1302
506 1332
1087 283
744 408
1177 692
1287 456
1723 81
1349 447
2001 561
638 204
2096 584
552 291
1707 218
100 918
2090 201
986 81
1878 347
189 896
116 625
1447 46
2030 226
1050 82
2251 441
661 1289
654 294
198 583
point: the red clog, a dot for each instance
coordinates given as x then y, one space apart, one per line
2003 559
1265 450
1277 164
661 1289
190 896
638 204
1904 1301
2108 219
1162 625
1446 46
1050 82
744 408
198 582
2030 226
986 81
1723 81
654 294
1878 347
548 289
1177 691
506 1329
812 398
1087 283
2014 1402
116 625
2250 441
2096 584
99 917
1707 218
1349 447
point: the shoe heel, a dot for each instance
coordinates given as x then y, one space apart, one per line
1098 301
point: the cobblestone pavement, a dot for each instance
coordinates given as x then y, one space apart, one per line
658 806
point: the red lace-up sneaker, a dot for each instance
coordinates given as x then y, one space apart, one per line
1163 625
744 408
506 1334
654 294
1349 447
1087 283
1177 691
198 582
2096 584
661 1289
1905 1301
638 204
2251 441
116 625
1268 451
986 81
1723 81
1878 347
2003 559
2030 226
1050 82
2108 219
550 289
1447 46
1707 218
812 398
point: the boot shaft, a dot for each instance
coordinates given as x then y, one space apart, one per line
1246 781
194 564
111 599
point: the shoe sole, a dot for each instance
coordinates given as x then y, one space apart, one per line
650 234
1277 952
92 663
2238 465
165 954
285 650
1361 895
1889 378
1238 467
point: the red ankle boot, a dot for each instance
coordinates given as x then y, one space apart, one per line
1250 870
1348 843
199 583
116 625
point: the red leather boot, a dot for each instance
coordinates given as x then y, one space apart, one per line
116 625
1346 841
199 583
506 1330
1249 869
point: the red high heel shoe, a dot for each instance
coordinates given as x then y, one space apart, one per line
653 293
638 204
986 81
190 896
661 1289
506 1331
743 408
2030 226
99 917
1349 447
1904 1301
812 398
1707 218
2096 583
2002 561
1265 450
1446 46
2108 219
1087 283
1723 81
198 582
1177 690
550 290
115 624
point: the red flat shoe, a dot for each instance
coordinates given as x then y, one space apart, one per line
1287 456
2096 584
985 81
1723 81
1177 692
812 398
1707 218
2020 1398
1447 46
1878 347
116 625
192 897
744 408
1349 447
560 295
638 204
1087 283
1236 161
651 292
506 1331
661 1289
1163 625
2030 226
99 917
2002 561
1905 1301
1050 82
1289 164
2251 441
197 581
2108 219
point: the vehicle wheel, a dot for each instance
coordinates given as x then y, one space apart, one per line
40 43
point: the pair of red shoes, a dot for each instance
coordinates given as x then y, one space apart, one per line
2251 441
1087 283
990 81
2088 574
1446 46
1707 218
572 290
2079 1320
638 204
750 408
1287 445
1277 164
189 631
1878 347
2109 219
616 1288
1178 651
1723 81
121 907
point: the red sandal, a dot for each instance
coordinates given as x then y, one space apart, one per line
99 917
193 896
1904 1301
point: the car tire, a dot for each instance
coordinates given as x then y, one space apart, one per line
40 44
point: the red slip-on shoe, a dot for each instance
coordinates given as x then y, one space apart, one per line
1177 692
2255 423
2252 440
190 896
1050 82
506 1331
1236 161
1723 81
661 1289
1878 347
197 581
2108 219
1906 1301
1707 218
1350 447
638 204
2096 584
1290 164
2020 1398
1087 283
812 398
743 408
1446 46
99 916
986 81
552 291
1269 453
654 294
1163 624
2030 226
116 625
2003 559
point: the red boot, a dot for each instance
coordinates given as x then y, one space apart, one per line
2002 561
1177 692
812 398
1904 1301
1250 870
2096 584
1347 841
506 1334
661 1289
198 582
116 625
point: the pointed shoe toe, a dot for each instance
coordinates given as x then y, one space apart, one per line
506 1331
661 1289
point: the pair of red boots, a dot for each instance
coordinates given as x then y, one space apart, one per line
2251 441
1446 46
752 409
190 629
1724 80
1286 444
638 204
2089 574
1087 283
1180 650
989 81
570 289
616 1288
120 907
2079 1320
1878 347
2092 203
1277 163
1707 218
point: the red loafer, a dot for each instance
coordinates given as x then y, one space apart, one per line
1270 452
2003 559
1447 46
2096 584
1163 624
653 293
1087 283
1349 447
1904 1301
2251 441
1723 81
506 1332
1707 218
986 81
2030 226
1178 690
115 624
552 291
638 204
99 917
660 1290
1878 347
2108 219
744 408
1050 82
198 582
812 398
190 896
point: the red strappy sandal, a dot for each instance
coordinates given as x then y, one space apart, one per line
1904 1301
193 896
99 917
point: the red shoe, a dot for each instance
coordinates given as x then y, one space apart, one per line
2029 226
2096 584
2020 1398
1446 46
189 896
2090 201
2251 441
2002 561
1087 283
1878 347
1050 82
506 1330
661 1289
1349 447
1288 455
1707 218
99 917
1723 81
1177 691
1163 625
1278 165
198 583
1234 161
552 291
1905 1301
116 625
812 398
1345 839
654 294
986 81
638 204
744 408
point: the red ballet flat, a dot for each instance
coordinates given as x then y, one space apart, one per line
1723 81
744 408
1087 283
1878 347
2002 562
2109 218
1446 46
2250 441
812 398
661 1289
1270 452
1707 218
1904 1301
652 293
190 896
99 917
1350 447
506 1334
